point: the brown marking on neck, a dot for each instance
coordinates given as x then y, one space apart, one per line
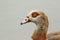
43 37
39 36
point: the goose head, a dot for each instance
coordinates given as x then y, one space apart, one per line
36 17
33 16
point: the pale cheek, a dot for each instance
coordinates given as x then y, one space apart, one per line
34 20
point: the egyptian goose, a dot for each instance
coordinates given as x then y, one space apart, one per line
41 21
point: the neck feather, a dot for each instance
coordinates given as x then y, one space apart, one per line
41 31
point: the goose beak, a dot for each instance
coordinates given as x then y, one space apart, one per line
27 20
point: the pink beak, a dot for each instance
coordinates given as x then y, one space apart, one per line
25 21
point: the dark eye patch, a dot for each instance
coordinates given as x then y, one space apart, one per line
35 14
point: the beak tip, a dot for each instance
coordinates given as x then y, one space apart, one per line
21 23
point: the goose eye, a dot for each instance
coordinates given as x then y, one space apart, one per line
35 14
27 16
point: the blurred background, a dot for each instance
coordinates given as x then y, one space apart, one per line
12 12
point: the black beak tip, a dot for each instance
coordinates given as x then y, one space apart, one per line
21 24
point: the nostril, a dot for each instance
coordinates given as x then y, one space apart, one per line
25 19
